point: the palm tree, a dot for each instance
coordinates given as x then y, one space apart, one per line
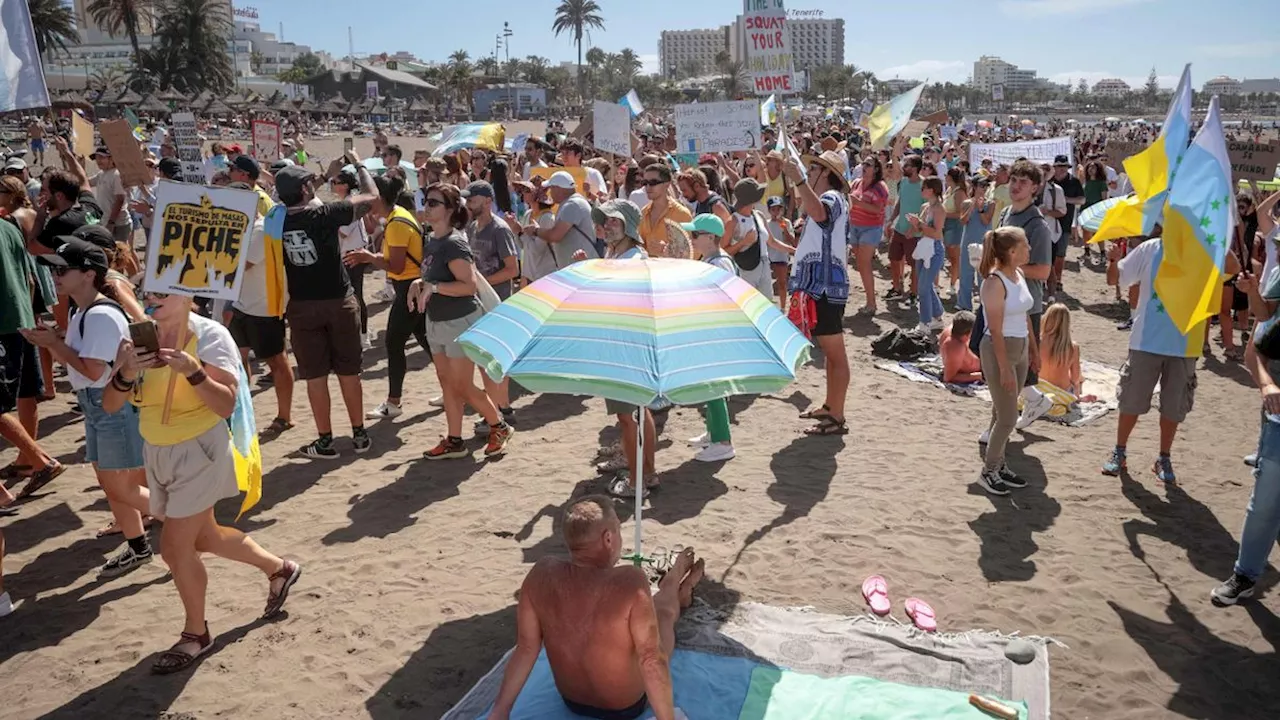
577 17
54 24
488 65
132 17
629 63
107 80
459 75
190 54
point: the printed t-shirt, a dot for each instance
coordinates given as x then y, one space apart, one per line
313 252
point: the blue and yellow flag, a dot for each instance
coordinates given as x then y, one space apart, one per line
273 229
887 120
244 444
769 111
1199 224
486 136
1150 172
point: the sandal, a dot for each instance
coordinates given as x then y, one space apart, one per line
113 529
40 478
13 471
1233 354
921 614
289 572
277 426
828 425
174 660
622 488
816 413
876 592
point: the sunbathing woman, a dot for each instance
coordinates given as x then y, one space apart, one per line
1059 355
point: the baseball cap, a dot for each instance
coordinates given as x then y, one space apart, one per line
705 223
1061 161
279 165
170 167
623 210
97 235
562 180
291 180
247 165
16 164
75 254
101 150
776 201
479 188
234 149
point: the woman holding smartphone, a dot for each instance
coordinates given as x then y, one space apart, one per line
112 441
189 460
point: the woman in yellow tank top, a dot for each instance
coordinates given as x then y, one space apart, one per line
189 460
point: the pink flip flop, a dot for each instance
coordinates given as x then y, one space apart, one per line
876 592
921 614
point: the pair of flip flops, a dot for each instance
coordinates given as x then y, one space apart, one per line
876 592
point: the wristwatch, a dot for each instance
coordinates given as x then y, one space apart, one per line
435 287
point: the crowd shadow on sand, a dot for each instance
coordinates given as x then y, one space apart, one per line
136 692
1214 678
1007 533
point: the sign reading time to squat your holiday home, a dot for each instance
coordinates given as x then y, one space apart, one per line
770 63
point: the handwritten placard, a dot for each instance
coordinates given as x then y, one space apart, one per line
612 128
718 126
770 63
119 139
1252 160
186 137
198 239
266 141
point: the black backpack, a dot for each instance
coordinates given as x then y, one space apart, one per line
749 258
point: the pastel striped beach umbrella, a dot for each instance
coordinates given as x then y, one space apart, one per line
1091 217
639 331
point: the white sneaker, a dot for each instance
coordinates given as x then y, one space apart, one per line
716 452
1034 410
437 401
700 441
385 410
366 342
6 605
985 437
386 294
936 325
923 328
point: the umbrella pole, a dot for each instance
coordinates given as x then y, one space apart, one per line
639 480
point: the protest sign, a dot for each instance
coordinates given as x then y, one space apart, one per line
997 92
198 239
519 143
266 141
119 139
21 74
190 150
718 126
81 136
1253 161
579 176
948 132
769 64
914 128
1119 150
611 128
936 118
1037 151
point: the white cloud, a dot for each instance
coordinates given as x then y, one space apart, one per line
1092 76
651 64
1241 50
1063 7
956 71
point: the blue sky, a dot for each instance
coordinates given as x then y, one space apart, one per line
1061 39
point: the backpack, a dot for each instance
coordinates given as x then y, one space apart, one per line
749 258
102 303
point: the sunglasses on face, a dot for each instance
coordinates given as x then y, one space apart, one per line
157 295
434 203
654 183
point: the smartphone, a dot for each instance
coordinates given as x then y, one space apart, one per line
144 336
348 144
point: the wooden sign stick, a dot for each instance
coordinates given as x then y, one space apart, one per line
173 375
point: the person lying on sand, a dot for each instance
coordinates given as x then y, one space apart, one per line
959 364
608 639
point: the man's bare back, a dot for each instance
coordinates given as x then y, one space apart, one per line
608 639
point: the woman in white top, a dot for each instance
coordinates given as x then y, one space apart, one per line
1008 347
113 443
354 237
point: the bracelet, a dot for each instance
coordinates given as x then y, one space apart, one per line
197 377
123 385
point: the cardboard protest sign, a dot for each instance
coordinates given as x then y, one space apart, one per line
266 141
579 176
914 128
186 137
81 136
119 139
718 126
21 74
936 118
1119 150
770 63
1253 161
198 239
611 127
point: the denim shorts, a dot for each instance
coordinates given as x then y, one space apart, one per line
111 440
952 233
866 235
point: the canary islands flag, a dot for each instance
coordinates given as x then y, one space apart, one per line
244 443
273 234
486 136
769 111
1150 170
887 120
1199 223
632 101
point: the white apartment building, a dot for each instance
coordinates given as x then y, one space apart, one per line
1111 88
277 55
1222 85
989 70
814 42
679 51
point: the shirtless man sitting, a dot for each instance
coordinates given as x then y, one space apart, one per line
959 364
608 639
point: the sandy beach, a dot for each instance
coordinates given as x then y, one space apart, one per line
411 567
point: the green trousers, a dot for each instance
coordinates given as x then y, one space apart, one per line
718 421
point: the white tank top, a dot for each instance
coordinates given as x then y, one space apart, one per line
1017 303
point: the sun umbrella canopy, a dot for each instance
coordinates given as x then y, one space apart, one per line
640 331
152 104
171 95
127 97
217 107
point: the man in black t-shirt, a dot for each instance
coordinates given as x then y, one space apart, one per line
323 316
1073 191
67 200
